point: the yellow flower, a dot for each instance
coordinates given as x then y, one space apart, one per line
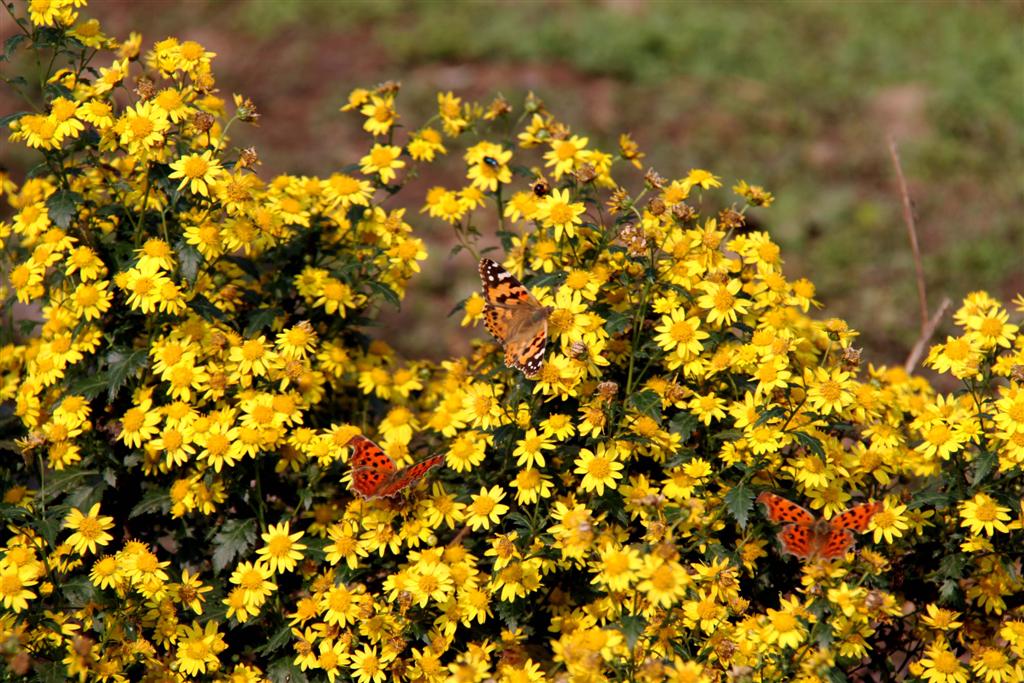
380 115
889 522
983 515
198 171
680 334
425 144
721 302
565 155
784 626
281 550
940 665
14 583
829 391
198 647
367 666
599 469
90 530
530 449
556 211
486 508
382 160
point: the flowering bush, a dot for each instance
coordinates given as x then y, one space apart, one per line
205 352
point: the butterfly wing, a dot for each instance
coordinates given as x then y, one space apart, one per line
797 540
856 518
781 510
371 467
409 476
514 317
835 544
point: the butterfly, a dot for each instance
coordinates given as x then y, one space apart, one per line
374 474
811 538
514 317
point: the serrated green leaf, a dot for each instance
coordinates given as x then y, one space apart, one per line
12 43
646 402
983 466
285 671
260 319
59 483
949 592
235 538
777 411
386 292
123 364
739 501
155 499
247 265
808 441
632 626
78 591
684 424
206 310
189 260
89 386
63 207
277 641
616 322
952 566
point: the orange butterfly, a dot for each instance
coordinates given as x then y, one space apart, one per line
514 317
374 474
811 538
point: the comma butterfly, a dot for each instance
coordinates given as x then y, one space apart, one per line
811 538
374 474
514 317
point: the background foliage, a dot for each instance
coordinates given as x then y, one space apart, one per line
805 93
205 343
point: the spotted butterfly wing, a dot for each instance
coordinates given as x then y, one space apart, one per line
410 475
781 510
374 474
856 518
807 537
514 317
797 540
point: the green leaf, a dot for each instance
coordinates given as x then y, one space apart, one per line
59 483
89 386
616 322
189 260
646 402
983 466
155 499
684 424
280 638
777 411
12 43
260 319
632 626
386 292
233 540
63 207
206 310
285 671
78 591
122 365
808 441
739 501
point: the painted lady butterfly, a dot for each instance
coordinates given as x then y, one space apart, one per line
811 538
514 317
374 474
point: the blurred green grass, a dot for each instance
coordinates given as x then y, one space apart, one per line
797 96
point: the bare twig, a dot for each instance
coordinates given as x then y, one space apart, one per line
908 218
926 334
